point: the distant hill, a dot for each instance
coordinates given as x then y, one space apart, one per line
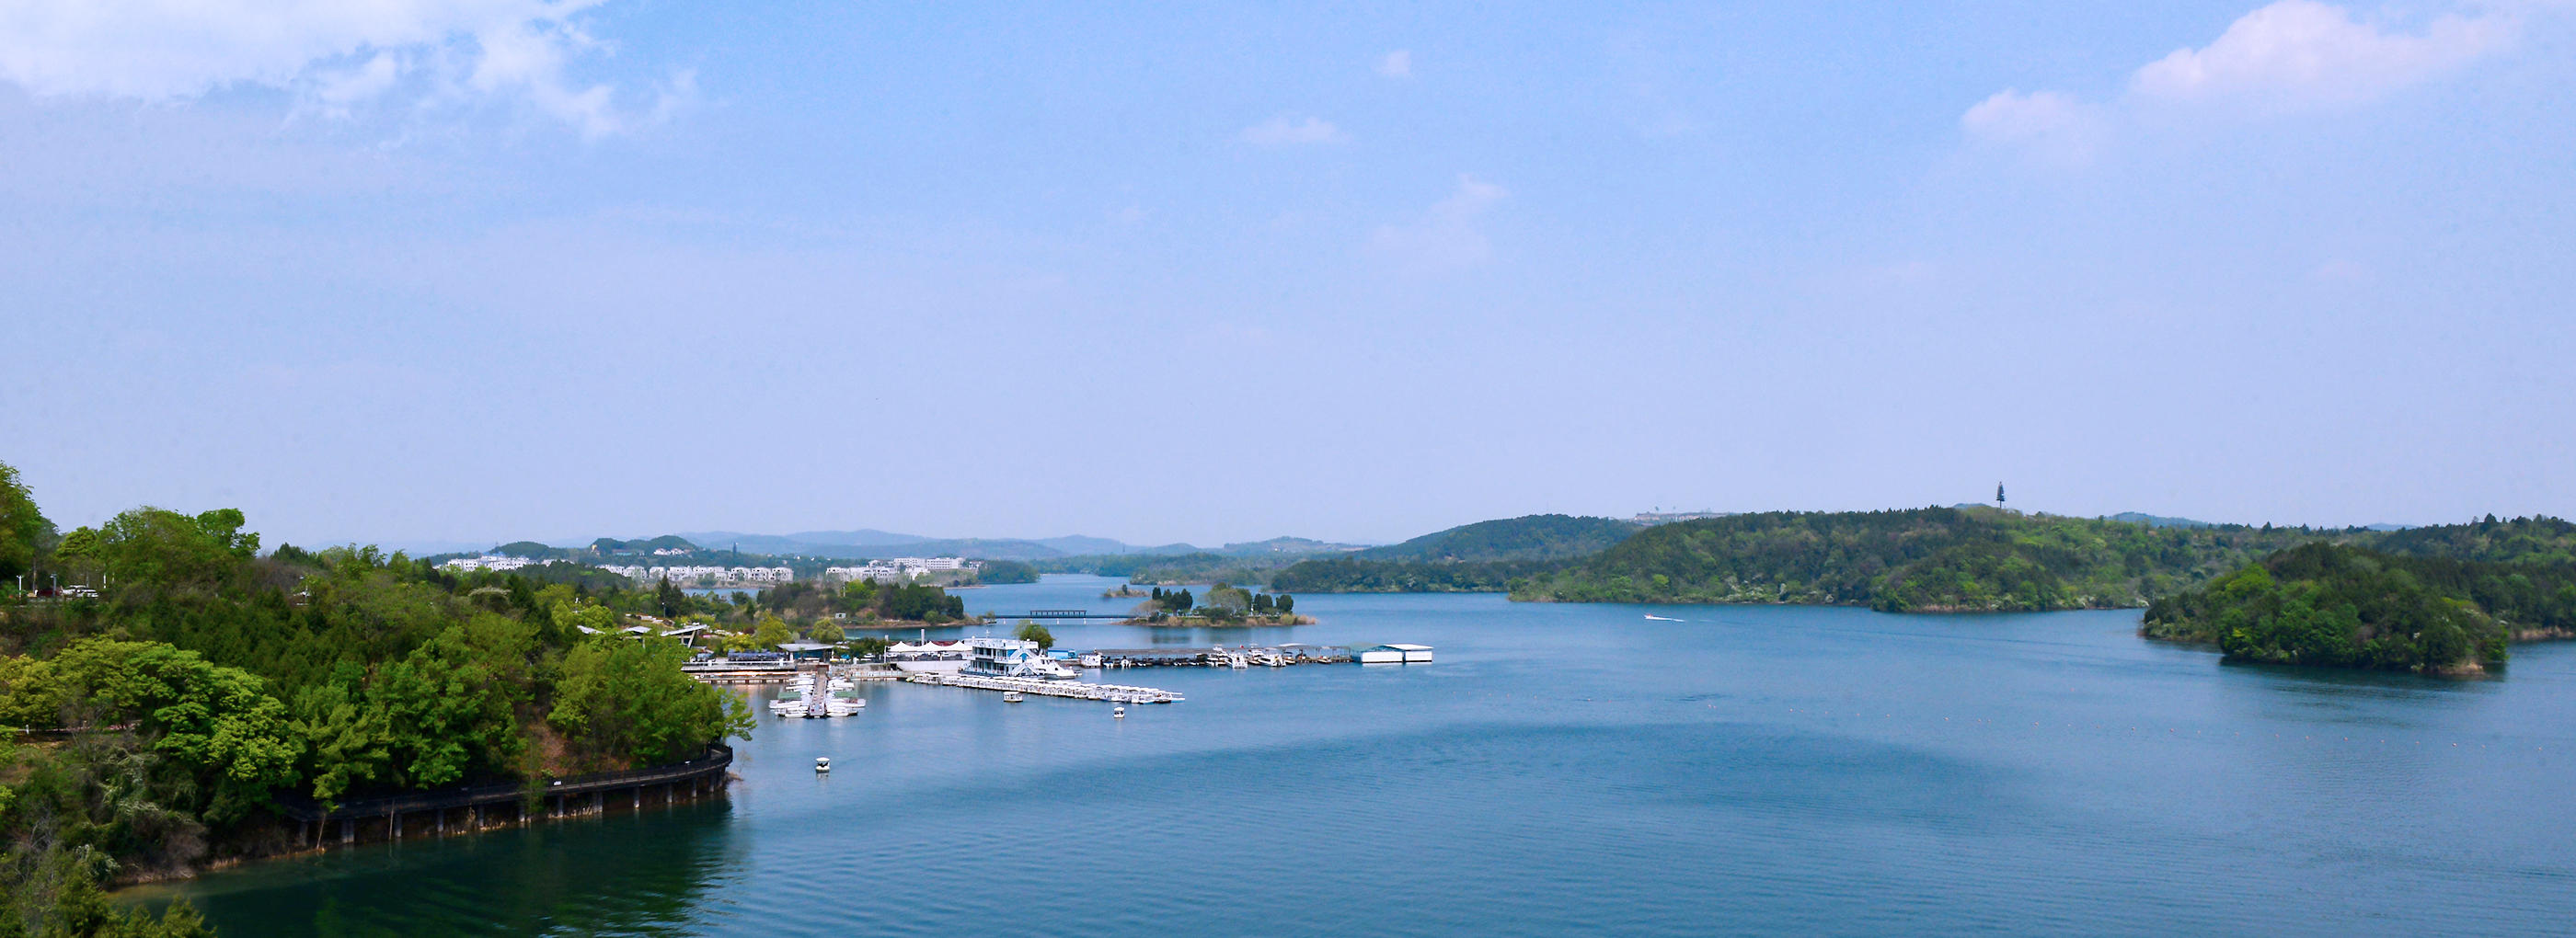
1983 559
1529 537
2537 540
1283 545
1923 559
2159 521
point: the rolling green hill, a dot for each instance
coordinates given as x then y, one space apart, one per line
1529 537
1924 559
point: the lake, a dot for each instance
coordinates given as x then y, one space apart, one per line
1566 769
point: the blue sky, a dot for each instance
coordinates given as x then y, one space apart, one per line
414 271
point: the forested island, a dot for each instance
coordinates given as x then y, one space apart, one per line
2354 607
1226 604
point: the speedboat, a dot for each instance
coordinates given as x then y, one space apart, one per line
822 763
1012 696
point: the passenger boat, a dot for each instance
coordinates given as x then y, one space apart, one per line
1013 657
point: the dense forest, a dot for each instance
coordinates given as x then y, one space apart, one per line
163 716
1529 537
2344 606
1354 575
1483 557
1923 559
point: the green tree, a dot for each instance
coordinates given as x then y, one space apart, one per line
771 633
23 530
828 632
629 702
164 548
218 721
1031 631
1233 599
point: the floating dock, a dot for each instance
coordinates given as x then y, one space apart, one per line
1270 656
1114 693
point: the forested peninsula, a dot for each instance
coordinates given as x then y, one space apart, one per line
155 724
1487 556
1972 559
2354 607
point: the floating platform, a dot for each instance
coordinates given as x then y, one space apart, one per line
1272 656
1115 693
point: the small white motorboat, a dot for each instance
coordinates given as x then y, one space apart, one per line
1118 714
1012 696
822 763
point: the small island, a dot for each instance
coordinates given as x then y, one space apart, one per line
2352 607
1226 604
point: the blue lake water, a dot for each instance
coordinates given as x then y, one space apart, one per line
1568 769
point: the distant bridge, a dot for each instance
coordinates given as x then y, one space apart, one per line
1067 614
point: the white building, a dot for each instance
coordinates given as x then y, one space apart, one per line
900 569
488 562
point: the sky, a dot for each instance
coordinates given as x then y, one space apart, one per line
450 271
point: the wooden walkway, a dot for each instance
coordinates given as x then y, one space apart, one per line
429 813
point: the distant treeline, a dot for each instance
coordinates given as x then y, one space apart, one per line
1174 569
1354 575
1923 559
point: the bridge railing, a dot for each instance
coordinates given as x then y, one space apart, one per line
296 806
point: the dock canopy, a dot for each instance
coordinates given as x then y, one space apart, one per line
808 649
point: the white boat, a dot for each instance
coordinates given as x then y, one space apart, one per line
1012 697
1013 657
1119 714
822 763
1651 617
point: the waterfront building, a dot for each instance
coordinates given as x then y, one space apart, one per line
488 562
940 657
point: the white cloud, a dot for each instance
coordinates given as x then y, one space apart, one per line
1280 132
1447 237
2301 52
1396 64
336 54
2011 116
2048 124
2289 55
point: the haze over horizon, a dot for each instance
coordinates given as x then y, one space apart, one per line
434 272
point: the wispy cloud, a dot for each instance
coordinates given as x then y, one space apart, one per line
2300 52
1280 131
2289 55
2049 123
1447 236
336 57
1396 64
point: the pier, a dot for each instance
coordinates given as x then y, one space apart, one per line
1270 656
1113 693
